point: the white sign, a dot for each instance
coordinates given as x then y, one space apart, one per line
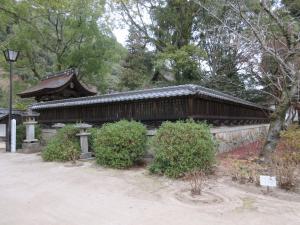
267 181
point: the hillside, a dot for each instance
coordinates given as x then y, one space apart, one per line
18 86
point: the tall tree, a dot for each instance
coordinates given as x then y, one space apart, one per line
270 30
137 66
167 27
224 58
186 43
56 35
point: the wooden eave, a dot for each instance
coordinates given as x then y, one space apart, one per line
56 84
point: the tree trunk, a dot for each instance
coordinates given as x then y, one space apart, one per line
276 124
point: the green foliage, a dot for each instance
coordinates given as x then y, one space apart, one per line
137 65
18 86
184 62
294 7
120 145
289 144
64 146
93 131
56 35
290 138
182 147
21 134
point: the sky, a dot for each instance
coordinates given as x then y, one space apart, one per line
121 35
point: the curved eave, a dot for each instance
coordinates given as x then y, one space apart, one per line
53 90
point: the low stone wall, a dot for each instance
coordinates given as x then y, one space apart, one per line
47 134
227 137
232 137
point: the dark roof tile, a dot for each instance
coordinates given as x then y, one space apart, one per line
172 91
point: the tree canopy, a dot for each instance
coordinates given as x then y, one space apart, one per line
56 35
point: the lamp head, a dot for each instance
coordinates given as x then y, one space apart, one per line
11 55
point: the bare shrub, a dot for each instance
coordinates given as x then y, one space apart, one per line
246 171
286 161
197 179
285 168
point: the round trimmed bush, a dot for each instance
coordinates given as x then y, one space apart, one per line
182 147
120 145
64 146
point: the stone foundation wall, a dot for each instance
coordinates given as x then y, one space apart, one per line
47 134
232 137
227 137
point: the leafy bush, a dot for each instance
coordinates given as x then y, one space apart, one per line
64 146
21 134
183 147
119 145
92 137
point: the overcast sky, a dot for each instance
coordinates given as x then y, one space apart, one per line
121 35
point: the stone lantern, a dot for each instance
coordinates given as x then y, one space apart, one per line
58 126
30 122
31 144
84 144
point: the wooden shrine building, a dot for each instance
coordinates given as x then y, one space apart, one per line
61 85
151 106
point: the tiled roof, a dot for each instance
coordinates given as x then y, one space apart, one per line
4 112
172 91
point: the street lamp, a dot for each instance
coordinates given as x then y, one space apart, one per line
10 56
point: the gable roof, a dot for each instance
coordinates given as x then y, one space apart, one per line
55 83
172 91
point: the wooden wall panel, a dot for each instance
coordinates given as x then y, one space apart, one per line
151 110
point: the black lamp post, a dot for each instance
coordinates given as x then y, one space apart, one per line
10 56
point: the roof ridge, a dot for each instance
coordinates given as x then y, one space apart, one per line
60 73
118 93
179 90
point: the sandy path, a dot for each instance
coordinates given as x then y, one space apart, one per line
37 193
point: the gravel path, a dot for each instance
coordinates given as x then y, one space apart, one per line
36 193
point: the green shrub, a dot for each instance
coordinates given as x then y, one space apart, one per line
93 131
64 146
120 145
182 147
21 134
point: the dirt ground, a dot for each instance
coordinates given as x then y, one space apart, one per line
33 192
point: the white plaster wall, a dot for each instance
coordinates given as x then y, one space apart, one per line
2 130
2 136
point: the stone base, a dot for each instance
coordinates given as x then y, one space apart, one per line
86 155
30 148
31 141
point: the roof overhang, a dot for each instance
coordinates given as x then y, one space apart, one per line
155 93
56 83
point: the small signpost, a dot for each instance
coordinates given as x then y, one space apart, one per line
267 181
